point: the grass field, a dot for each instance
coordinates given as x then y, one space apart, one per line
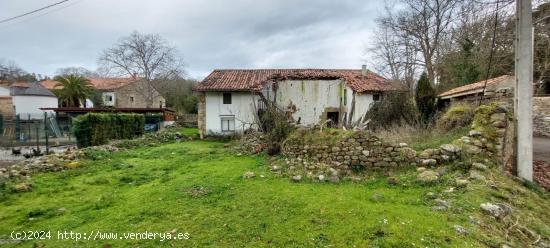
197 188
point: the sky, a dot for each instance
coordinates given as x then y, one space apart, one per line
209 34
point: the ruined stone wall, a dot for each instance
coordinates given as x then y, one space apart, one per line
541 116
362 150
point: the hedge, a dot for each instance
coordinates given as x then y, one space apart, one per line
98 128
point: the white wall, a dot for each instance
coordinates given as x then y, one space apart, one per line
311 98
241 107
25 105
4 91
363 102
106 102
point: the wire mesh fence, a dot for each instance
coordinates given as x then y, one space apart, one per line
27 135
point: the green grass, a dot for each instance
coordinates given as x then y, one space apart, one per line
197 187
425 140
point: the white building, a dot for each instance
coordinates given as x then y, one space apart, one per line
28 98
229 99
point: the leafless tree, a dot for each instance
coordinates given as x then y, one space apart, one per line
147 56
76 70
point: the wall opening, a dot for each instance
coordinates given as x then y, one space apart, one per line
334 118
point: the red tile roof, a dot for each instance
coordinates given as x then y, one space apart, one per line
476 86
98 83
253 80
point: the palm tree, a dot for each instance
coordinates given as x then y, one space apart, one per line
73 90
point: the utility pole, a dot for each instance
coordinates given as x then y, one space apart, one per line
523 102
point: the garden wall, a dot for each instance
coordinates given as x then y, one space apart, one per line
541 116
348 151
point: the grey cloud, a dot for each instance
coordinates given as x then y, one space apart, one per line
209 33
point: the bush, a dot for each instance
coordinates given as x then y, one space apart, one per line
425 99
457 116
394 109
94 129
276 125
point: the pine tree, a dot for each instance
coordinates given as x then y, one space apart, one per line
425 98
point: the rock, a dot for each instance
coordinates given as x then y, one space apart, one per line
334 179
441 202
275 168
460 230
429 162
321 177
474 133
420 169
430 195
248 175
73 164
498 117
479 166
408 153
297 178
393 181
333 171
366 153
472 149
439 208
403 145
428 176
475 175
461 182
23 187
496 210
450 148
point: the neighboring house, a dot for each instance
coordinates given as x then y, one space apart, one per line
6 103
229 99
123 92
494 87
28 98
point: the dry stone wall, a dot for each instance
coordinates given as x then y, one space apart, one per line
362 150
541 116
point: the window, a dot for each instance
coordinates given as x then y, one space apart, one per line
226 98
228 123
109 98
376 97
131 99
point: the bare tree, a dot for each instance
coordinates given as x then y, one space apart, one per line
77 71
147 56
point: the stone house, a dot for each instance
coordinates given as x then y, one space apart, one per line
502 86
123 92
229 99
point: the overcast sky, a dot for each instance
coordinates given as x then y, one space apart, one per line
209 34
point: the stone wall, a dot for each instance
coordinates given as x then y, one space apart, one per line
6 106
362 150
541 116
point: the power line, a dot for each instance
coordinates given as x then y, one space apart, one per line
490 55
32 12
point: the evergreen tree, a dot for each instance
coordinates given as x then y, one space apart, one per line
425 98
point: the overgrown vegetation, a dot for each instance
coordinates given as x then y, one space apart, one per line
276 125
98 128
395 108
457 116
425 99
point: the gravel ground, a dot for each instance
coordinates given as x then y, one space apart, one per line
541 174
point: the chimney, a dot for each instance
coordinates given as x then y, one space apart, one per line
364 70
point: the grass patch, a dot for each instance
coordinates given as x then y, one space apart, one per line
197 187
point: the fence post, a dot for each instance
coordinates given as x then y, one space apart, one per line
17 128
1 124
28 128
46 132
37 139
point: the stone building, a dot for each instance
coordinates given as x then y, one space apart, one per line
229 100
123 92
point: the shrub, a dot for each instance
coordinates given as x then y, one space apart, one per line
275 124
425 98
97 129
394 109
457 116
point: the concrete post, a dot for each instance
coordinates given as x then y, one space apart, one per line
524 89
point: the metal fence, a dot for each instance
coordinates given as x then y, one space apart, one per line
26 135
